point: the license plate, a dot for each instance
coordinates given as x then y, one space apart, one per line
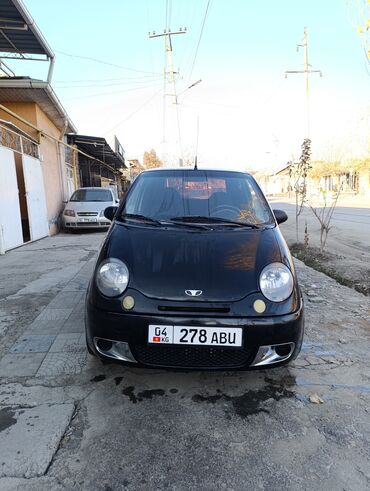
88 220
199 336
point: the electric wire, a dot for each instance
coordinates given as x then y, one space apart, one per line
134 112
189 23
84 80
105 85
200 38
96 60
149 26
109 93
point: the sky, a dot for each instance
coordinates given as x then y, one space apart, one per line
244 113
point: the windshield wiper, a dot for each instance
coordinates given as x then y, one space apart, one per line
182 223
143 218
162 223
221 221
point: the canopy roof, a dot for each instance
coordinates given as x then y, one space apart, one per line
98 147
18 32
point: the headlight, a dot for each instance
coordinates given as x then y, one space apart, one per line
276 282
69 213
112 277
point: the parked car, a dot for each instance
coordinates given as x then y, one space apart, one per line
85 208
194 273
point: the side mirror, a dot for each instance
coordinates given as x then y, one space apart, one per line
280 216
117 200
110 212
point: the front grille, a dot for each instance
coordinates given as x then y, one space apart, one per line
87 213
193 356
217 310
88 224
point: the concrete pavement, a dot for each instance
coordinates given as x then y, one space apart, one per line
69 422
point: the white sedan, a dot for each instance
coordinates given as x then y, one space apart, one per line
85 208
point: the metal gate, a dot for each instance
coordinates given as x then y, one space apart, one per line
10 215
35 194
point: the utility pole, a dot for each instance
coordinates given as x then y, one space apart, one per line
169 78
306 71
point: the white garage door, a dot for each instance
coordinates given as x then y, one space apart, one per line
35 192
10 214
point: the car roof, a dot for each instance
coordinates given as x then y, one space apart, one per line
94 187
181 169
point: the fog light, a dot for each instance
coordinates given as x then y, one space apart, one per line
128 302
259 306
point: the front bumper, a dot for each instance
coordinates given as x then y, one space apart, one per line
82 222
267 341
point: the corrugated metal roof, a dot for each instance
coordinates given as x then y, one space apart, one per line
18 31
30 90
98 147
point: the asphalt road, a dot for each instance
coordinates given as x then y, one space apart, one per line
67 421
350 228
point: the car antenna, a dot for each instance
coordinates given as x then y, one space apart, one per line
196 148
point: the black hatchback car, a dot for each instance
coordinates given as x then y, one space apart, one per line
194 273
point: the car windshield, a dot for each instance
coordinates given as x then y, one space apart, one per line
196 195
92 195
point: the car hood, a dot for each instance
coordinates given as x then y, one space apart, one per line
164 263
81 206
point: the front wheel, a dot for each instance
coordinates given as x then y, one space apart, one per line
88 346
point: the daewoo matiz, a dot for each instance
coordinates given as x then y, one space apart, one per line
194 273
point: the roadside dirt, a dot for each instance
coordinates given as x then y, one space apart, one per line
347 271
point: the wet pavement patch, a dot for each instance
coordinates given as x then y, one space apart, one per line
251 402
140 396
7 418
129 392
98 378
118 380
149 394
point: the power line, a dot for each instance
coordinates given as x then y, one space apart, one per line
200 38
109 84
134 112
96 60
141 77
189 23
109 93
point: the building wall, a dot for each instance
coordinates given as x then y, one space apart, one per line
50 160
27 110
52 170
364 182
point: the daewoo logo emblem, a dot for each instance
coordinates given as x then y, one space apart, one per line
193 293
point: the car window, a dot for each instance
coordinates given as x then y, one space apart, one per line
92 195
226 195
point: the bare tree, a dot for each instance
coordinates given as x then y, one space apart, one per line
324 215
298 172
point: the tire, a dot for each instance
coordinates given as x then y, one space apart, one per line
88 347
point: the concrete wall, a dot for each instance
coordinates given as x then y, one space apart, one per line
51 169
364 182
27 110
53 174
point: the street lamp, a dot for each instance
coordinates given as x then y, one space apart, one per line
190 86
